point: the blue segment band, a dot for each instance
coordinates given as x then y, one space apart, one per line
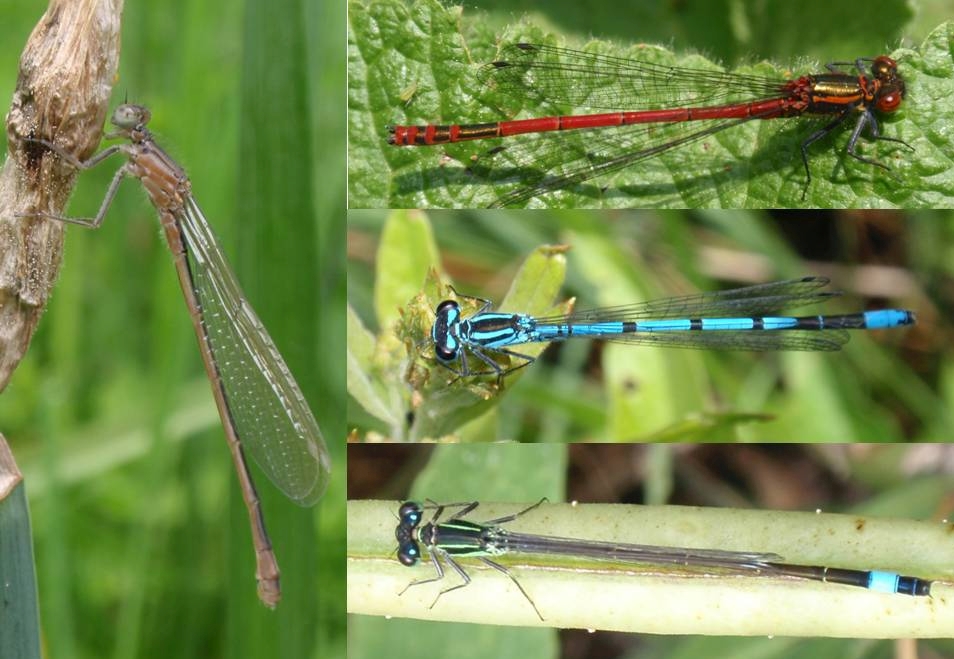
598 329
677 325
728 323
883 582
783 322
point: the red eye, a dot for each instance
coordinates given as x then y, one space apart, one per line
889 102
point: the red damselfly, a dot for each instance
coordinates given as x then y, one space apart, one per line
680 105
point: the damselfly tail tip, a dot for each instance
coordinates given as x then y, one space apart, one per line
269 591
405 135
889 318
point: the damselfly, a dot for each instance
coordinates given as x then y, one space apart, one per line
682 106
727 320
261 407
455 537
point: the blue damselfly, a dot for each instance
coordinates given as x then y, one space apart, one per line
446 540
727 320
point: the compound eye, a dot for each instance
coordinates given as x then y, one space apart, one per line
883 67
889 102
410 512
444 306
409 554
445 354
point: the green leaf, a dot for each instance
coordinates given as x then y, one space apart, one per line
278 232
406 253
20 618
521 472
364 384
417 64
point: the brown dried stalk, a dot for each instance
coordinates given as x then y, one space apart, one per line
67 71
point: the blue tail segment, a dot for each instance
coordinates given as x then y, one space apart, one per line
878 581
888 318
725 320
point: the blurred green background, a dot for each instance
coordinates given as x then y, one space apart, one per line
891 481
883 386
141 540
726 29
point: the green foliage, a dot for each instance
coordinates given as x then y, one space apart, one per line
416 63
20 622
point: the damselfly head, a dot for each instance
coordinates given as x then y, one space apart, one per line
408 552
885 71
128 116
443 332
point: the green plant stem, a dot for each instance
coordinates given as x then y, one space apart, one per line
668 600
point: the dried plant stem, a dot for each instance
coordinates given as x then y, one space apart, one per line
67 71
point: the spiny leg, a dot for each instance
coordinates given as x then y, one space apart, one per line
121 173
440 575
501 568
510 518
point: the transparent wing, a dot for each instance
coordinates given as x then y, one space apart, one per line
649 554
606 82
755 300
271 417
748 301
754 340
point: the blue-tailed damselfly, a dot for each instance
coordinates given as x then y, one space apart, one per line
728 320
458 537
